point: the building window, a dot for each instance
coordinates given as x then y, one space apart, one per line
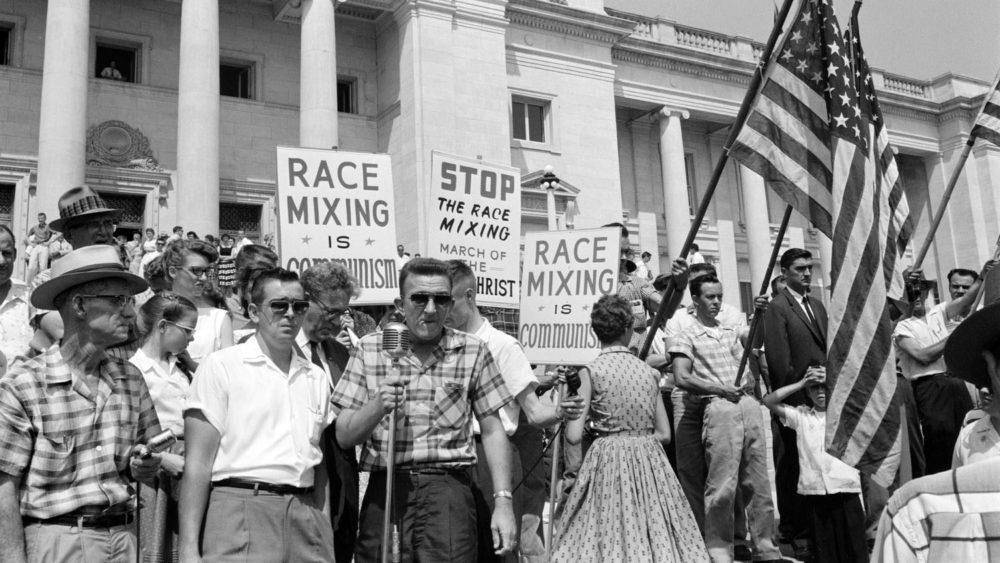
529 119
689 174
6 43
7 204
236 79
236 217
116 61
132 212
346 98
746 297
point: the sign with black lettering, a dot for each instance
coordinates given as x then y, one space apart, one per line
564 274
475 216
336 205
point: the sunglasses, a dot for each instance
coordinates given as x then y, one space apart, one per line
440 300
196 272
187 330
281 306
118 301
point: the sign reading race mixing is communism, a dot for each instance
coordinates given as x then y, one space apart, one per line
336 205
564 274
475 216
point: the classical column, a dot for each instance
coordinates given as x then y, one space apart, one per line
318 76
758 225
62 130
198 118
675 194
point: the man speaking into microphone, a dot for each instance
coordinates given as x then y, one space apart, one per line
447 377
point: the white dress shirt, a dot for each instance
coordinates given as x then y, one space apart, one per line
168 389
514 367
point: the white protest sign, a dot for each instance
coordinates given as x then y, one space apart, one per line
475 216
564 274
336 205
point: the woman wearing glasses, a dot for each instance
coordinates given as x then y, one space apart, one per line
166 323
187 263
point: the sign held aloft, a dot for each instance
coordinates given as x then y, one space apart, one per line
564 274
475 216
336 205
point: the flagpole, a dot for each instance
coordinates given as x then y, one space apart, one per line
665 309
755 322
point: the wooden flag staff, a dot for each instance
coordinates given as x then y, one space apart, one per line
755 323
668 301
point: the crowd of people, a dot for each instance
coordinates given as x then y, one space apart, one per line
183 398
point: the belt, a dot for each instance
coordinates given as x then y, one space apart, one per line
257 486
433 470
625 433
81 520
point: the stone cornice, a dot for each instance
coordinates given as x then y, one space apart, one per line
680 59
558 62
556 18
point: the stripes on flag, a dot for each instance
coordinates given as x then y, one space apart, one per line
816 136
988 125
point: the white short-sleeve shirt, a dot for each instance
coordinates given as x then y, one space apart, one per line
819 472
976 442
270 421
514 367
931 329
168 389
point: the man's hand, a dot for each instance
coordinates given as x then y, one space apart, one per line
503 528
173 464
344 339
760 303
570 408
989 265
730 393
144 468
390 394
679 273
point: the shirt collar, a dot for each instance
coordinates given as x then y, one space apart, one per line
798 296
615 349
252 353
57 370
18 291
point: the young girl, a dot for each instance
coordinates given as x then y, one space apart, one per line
167 323
832 488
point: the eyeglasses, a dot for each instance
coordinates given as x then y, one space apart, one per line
118 301
187 330
280 306
196 272
331 311
440 300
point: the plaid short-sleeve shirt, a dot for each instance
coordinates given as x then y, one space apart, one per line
68 443
714 352
435 422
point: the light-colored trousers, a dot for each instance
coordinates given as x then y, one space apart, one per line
56 543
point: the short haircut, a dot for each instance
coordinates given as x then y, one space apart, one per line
164 306
458 271
276 274
7 230
176 251
621 226
192 234
793 254
702 268
178 228
150 230
964 272
420 266
611 317
250 261
780 278
329 276
696 284
694 247
645 253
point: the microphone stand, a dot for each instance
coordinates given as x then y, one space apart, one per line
390 532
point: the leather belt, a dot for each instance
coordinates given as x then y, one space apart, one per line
257 486
84 520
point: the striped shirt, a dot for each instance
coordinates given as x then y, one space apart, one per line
67 443
948 516
435 421
714 352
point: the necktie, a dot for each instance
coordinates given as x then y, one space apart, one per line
314 352
809 313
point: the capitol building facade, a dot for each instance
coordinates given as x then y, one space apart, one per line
172 110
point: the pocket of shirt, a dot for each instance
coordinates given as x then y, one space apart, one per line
450 404
54 450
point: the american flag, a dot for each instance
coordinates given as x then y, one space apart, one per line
817 137
988 125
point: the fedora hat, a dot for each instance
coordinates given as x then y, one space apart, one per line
97 262
963 353
77 203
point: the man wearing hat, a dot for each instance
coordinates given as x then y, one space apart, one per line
959 506
69 421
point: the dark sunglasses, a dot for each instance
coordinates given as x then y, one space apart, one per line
280 306
440 300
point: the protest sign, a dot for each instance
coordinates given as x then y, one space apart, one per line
564 274
475 216
335 205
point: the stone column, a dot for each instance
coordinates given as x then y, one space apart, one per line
62 130
318 76
197 198
758 225
675 195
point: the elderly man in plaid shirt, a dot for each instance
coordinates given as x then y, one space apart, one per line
69 419
449 376
706 357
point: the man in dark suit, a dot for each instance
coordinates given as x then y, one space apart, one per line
794 340
325 340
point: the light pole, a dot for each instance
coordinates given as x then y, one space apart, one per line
550 183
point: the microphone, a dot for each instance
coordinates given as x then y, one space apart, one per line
157 444
572 380
396 340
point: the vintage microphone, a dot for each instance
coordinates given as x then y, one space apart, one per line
157 444
396 345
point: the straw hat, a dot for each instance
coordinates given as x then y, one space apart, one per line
97 262
78 203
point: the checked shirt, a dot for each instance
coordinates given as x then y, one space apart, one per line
714 352
68 443
435 421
